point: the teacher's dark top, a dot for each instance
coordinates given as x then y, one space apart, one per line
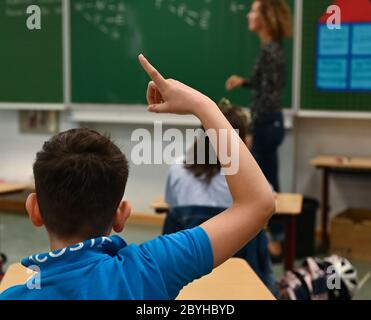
267 82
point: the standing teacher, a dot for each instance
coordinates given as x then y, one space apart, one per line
272 21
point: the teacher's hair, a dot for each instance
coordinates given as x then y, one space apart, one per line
278 17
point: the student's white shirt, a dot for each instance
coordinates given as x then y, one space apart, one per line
184 189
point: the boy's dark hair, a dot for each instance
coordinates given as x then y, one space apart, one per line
80 179
207 171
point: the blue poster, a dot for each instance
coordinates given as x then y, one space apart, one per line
333 42
361 39
344 58
332 73
361 74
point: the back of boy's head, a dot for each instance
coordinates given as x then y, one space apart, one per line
80 178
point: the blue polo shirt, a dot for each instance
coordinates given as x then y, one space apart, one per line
108 269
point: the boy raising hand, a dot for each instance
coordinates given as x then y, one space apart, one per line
253 198
80 179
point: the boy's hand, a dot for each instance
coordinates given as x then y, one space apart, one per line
171 96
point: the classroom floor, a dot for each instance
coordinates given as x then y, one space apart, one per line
19 239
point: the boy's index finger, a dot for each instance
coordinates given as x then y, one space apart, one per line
156 76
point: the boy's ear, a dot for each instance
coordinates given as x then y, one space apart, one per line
33 210
122 214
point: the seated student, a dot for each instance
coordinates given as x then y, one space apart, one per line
191 183
80 179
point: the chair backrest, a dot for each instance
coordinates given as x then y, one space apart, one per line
188 217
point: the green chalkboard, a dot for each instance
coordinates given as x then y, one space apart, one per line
31 62
312 97
199 42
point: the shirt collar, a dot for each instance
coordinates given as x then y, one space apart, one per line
80 251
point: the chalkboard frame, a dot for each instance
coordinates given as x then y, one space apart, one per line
45 105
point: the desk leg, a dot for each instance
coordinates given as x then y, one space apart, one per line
325 208
290 245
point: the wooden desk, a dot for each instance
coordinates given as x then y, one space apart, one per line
12 187
286 204
15 275
288 207
233 280
336 165
15 202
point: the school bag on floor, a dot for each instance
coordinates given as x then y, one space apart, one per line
311 280
305 283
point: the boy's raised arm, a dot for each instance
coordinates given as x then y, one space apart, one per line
253 201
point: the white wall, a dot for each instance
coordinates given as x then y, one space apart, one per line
312 137
287 163
146 182
333 137
17 151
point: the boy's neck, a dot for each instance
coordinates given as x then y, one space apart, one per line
56 244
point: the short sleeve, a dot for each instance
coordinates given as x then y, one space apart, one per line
181 257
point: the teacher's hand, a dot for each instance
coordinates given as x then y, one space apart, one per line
234 82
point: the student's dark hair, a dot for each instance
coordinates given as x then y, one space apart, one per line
80 179
208 170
